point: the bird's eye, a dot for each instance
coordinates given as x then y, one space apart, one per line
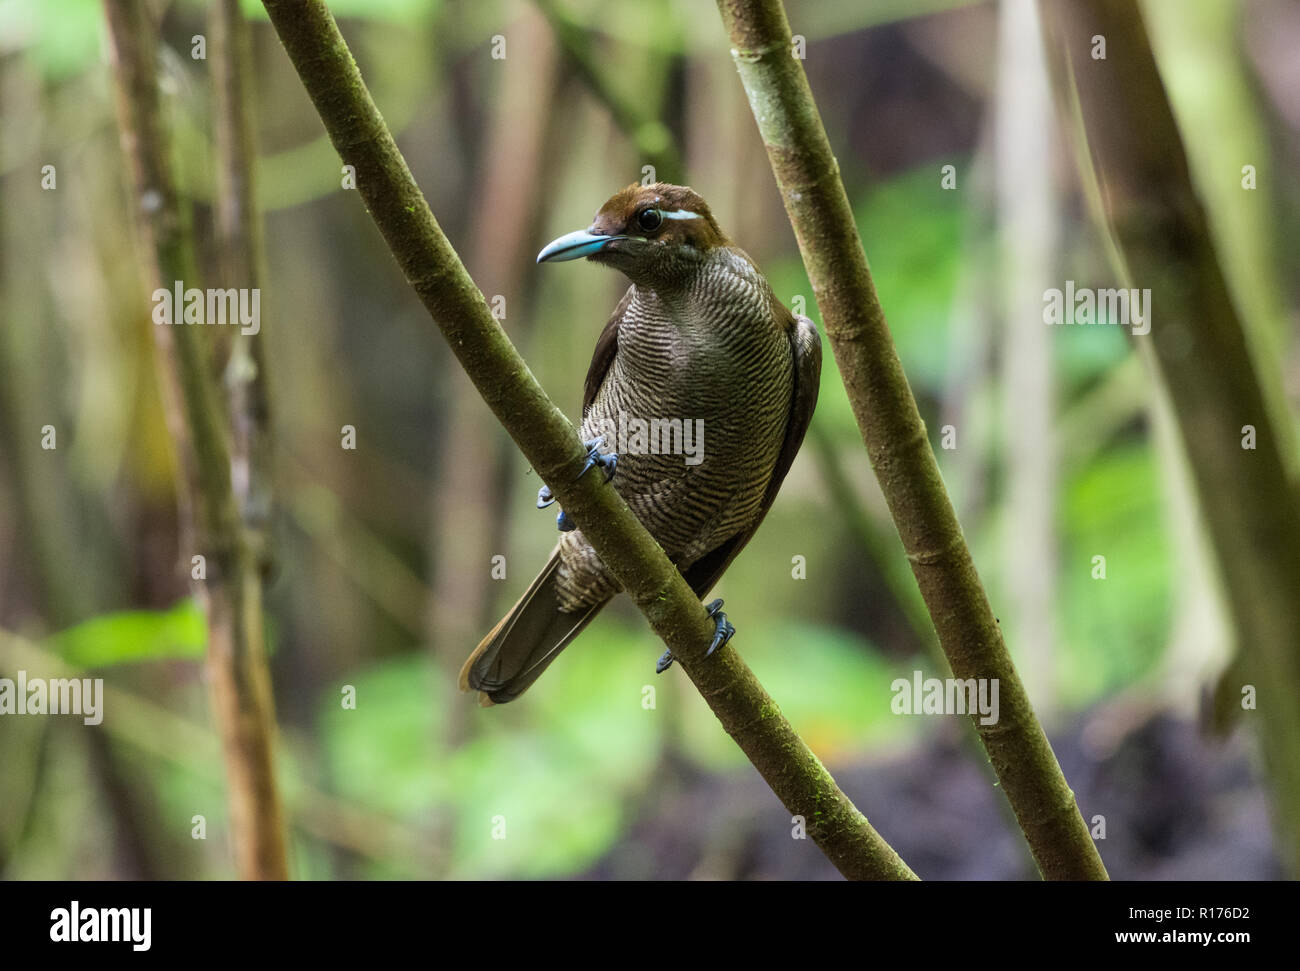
650 219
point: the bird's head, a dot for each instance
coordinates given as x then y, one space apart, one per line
656 234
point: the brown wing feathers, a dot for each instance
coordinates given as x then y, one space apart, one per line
806 352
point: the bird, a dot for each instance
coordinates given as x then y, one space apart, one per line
698 338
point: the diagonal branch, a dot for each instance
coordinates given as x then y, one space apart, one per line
895 436
550 443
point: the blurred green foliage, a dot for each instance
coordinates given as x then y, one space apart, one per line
1115 628
60 36
564 766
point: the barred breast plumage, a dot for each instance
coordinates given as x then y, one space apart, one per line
714 354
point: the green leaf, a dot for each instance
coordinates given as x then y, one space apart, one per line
134 635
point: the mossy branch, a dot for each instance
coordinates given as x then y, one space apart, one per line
895 436
550 443
231 593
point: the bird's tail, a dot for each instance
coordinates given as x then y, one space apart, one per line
524 642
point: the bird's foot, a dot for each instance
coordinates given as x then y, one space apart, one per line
596 457
722 628
722 632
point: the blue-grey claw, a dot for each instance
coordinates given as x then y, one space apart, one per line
595 457
722 629
722 632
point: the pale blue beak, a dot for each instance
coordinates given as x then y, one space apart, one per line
574 246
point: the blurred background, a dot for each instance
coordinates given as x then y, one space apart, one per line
1061 450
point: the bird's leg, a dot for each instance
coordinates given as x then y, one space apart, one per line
722 632
594 457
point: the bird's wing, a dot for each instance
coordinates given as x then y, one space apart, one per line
603 356
806 348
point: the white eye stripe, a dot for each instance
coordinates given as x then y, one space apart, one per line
679 214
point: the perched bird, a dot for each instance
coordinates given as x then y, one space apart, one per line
698 343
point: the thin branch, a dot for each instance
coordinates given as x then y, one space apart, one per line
1029 231
550 443
895 436
654 143
1143 195
242 258
231 593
